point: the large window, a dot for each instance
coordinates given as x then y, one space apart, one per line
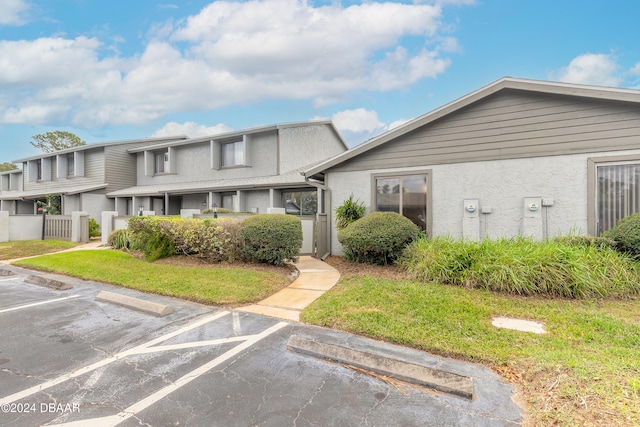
406 195
300 202
617 193
233 153
71 164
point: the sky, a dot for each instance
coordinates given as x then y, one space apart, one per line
121 70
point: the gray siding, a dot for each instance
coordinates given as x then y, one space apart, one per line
93 175
508 125
120 166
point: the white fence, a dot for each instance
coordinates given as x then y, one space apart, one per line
74 227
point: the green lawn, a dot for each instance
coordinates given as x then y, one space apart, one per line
585 371
26 248
208 285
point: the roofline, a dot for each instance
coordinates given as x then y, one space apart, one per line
569 89
240 133
99 145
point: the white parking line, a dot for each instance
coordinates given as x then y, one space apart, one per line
37 303
114 420
35 389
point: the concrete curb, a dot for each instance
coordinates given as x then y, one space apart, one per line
448 382
135 303
49 283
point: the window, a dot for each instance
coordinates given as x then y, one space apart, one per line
301 202
233 154
617 193
71 166
161 162
406 195
39 169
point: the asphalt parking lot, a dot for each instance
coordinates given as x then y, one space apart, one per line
67 359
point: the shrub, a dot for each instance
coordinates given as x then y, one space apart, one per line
350 211
120 239
271 238
626 235
94 228
378 238
216 240
521 266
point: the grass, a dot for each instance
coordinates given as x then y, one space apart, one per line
208 285
586 370
27 248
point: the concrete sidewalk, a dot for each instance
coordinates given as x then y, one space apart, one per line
315 278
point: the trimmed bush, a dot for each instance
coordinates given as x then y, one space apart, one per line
626 235
378 238
521 266
215 240
271 238
94 228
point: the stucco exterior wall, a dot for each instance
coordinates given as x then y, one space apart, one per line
500 184
300 146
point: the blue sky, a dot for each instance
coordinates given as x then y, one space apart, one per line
119 70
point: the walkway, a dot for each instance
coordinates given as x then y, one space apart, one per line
315 278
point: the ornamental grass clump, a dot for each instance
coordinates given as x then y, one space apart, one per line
524 267
378 238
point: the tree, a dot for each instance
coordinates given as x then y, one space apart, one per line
56 140
7 166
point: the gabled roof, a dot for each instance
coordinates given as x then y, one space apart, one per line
239 134
102 144
593 92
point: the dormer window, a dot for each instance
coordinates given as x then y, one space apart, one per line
233 153
161 162
71 164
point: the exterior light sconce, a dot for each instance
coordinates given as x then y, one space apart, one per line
214 206
140 209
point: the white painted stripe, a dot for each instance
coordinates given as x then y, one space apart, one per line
78 372
35 304
7 280
132 410
236 323
191 345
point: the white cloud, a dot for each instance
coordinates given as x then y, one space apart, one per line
12 12
636 70
592 69
358 120
231 53
191 129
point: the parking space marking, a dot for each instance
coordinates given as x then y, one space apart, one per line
78 372
114 420
37 303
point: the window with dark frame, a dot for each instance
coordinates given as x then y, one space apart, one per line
403 194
